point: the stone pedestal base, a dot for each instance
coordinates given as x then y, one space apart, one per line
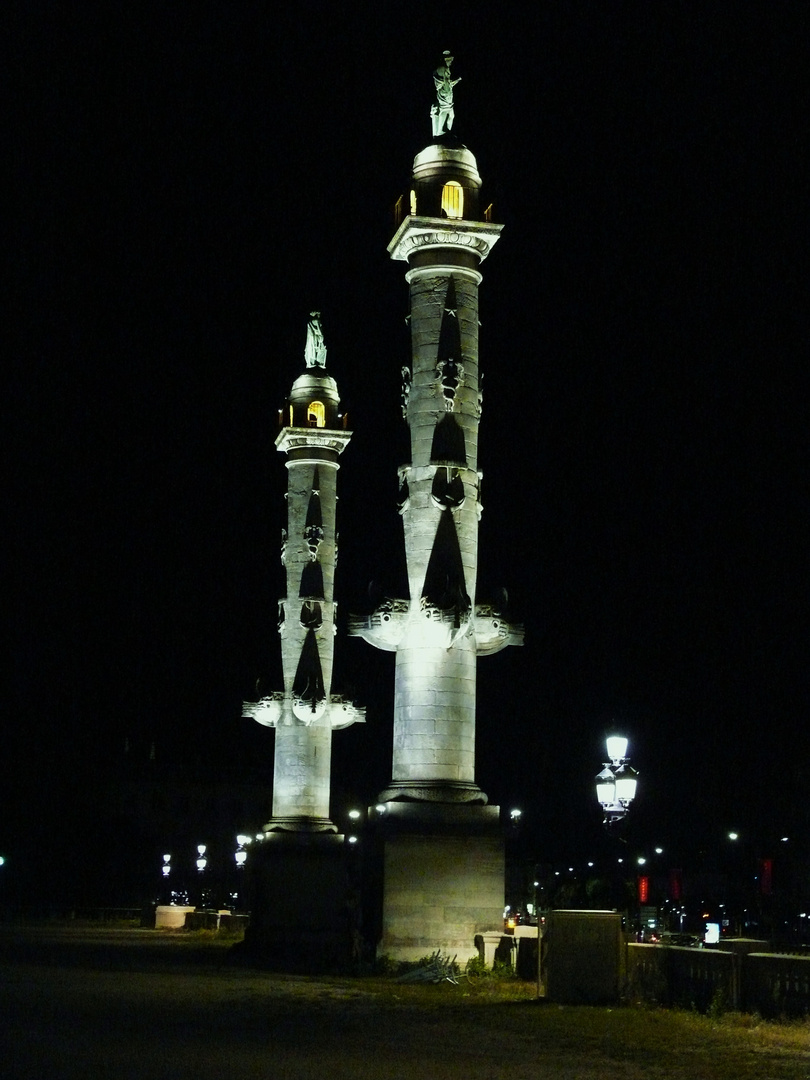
488 944
171 916
304 903
443 878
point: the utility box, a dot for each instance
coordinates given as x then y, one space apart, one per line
582 952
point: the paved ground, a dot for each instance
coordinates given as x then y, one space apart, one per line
141 1004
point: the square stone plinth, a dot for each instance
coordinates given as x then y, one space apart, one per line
304 902
441 889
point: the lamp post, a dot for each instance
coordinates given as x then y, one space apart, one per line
616 783
240 858
202 863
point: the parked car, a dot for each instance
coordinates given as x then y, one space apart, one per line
692 940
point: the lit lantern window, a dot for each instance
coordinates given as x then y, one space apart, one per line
453 199
413 202
316 414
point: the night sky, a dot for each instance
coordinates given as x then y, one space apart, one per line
192 181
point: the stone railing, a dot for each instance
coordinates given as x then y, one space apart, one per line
776 984
772 984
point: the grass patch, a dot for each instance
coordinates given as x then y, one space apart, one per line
660 1043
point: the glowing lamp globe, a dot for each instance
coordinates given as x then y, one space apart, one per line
616 747
626 781
606 787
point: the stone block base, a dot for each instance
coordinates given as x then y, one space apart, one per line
171 916
304 902
583 956
443 880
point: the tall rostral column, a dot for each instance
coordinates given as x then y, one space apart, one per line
443 849
299 866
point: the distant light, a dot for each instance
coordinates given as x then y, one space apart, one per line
733 836
241 839
240 857
784 839
354 814
352 839
2 860
380 807
659 851
570 869
201 849
536 883
641 860
620 860
260 836
556 873
515 814
590 864
167 858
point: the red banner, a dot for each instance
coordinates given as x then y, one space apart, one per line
675 885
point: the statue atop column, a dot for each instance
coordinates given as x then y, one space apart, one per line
315 351
441 112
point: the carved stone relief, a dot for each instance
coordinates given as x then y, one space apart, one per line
447 490
313 537
404 495
311 616
406 390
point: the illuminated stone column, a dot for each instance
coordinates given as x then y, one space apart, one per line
305 713
439 630
443 860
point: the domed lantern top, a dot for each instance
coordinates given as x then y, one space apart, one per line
314 399
445 182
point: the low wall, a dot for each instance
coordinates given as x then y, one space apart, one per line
772 984
778 983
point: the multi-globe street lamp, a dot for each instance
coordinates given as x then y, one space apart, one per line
616 783
240 855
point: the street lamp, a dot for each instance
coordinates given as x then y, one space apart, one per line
240 855
616 783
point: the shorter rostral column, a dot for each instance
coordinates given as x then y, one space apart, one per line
298 869
443 847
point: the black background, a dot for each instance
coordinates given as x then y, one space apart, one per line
192 181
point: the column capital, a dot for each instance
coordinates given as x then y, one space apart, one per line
312 438
419 233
